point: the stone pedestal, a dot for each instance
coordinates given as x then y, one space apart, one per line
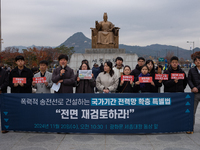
102 55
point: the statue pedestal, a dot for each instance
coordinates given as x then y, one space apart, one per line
99 56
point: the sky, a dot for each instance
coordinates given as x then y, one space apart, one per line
141 22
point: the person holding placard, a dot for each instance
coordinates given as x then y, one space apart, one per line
85 85
144 82
107 81
158 83
42 80
126 81
63 76
177 80
20 79
194 82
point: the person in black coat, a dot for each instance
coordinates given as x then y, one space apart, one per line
136 72
194 82
96 70
21 72
174 85
4 80
85 85
144 87
125 86
158 84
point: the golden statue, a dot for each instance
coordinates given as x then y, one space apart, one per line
105 35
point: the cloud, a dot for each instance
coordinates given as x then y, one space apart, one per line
142 23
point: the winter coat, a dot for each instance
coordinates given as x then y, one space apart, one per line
157 84
68 79
170 85
4 80
104 81
136 72
85 85
126 87
144 87
26 73
118 72
41 87
194 78
96 71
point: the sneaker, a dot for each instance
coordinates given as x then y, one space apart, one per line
4 131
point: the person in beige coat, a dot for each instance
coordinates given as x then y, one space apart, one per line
107 81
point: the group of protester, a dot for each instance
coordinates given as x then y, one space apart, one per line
104 80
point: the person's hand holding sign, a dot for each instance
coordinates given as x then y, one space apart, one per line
21 84
122 82
176 80
131 82
16 84
46 83
33 83
152 83
137 83
78 79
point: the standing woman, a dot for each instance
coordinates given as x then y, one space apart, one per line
158 83
85 85
107 81
144 87
125 86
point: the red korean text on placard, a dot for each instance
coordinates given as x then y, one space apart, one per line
145 79
127 78
19 80
39 79
161 76
177 76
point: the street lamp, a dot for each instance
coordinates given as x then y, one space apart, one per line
193 45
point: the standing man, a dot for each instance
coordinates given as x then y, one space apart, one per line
43 87
4 79
174 85
194 82
21 72
119 67
64 75
136 72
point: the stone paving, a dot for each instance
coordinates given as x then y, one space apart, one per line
53 141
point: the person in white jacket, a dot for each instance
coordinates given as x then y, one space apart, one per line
119 67
107 81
